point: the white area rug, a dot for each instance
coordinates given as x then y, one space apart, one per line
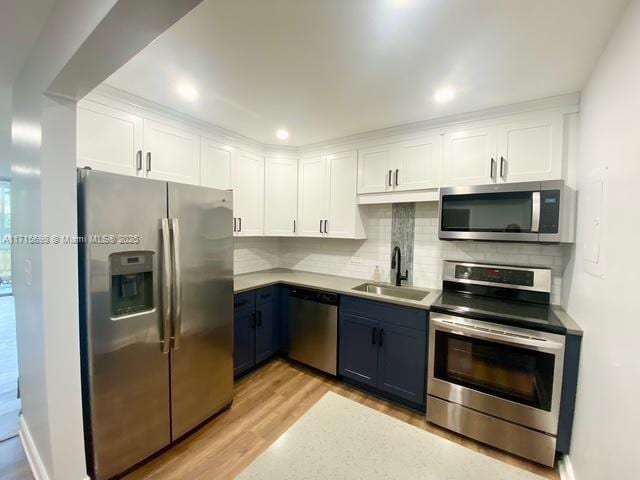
342 439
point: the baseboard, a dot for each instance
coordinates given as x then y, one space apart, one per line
565 468
33 457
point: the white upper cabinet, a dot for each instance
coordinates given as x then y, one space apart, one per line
108 139
530 149
216 160
470 157
171 153
402 166
417 166
327 196
343 219
280 196
248 194
313 191
375 169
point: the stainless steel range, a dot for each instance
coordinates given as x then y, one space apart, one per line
496 358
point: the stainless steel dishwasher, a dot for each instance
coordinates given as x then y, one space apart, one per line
313 329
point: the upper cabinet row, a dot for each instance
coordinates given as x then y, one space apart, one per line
271 195
527 148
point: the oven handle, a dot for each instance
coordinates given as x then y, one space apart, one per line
467 330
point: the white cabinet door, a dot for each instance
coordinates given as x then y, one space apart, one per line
280 196
343 203
467 157
171 154
248 193
109 139
215 164
375 168
530 149
313 191
418 164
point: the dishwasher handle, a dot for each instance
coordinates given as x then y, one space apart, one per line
315 296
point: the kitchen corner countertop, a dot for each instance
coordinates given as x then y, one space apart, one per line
327 283
572 326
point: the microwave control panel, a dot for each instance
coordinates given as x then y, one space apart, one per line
549 211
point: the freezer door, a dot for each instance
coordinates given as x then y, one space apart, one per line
202 352
125 372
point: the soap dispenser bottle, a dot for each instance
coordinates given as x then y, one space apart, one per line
376 274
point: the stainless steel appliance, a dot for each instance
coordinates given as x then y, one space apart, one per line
496 358
541 212
156 284
313 329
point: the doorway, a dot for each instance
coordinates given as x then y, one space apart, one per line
9 402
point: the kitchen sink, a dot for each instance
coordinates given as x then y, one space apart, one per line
392 291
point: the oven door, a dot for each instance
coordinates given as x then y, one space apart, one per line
491 212
511 373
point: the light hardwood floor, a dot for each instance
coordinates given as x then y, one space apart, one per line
268 402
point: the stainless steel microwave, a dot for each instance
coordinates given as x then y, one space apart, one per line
539 212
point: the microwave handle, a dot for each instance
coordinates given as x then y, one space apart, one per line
535 212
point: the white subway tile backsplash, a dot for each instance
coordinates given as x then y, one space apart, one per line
336 256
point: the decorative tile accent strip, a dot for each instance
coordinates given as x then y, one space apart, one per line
402 236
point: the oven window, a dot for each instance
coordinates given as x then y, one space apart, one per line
487 212
513 373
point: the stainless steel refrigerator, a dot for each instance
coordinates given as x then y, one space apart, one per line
156 303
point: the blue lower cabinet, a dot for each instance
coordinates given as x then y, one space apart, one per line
266 331
256 328
402 362
358 356
243 340
384 347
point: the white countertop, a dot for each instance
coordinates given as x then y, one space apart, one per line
327 283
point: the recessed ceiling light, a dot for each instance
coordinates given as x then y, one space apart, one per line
188 92
282 134
444 94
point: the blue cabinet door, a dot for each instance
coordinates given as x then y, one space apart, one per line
243 340
266 331
402 362
359 349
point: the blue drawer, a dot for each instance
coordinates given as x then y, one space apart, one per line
244 300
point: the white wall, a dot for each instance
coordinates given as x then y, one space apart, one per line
605 436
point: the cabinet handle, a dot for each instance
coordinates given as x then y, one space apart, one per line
239 304
139 160
320 226
234 223
374 332
325 226
397 171
389 179
239 224
381 336
492 172
503 163
148 161
294 226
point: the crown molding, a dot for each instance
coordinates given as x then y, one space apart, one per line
568 103
115 94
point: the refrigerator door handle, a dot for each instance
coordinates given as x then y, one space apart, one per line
166 287
177 285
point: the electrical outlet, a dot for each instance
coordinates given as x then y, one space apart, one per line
356 259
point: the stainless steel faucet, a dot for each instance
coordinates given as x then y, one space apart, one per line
399 277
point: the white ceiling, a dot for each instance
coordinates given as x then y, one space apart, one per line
330 68
20 24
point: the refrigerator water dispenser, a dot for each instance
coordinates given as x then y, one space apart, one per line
131 283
